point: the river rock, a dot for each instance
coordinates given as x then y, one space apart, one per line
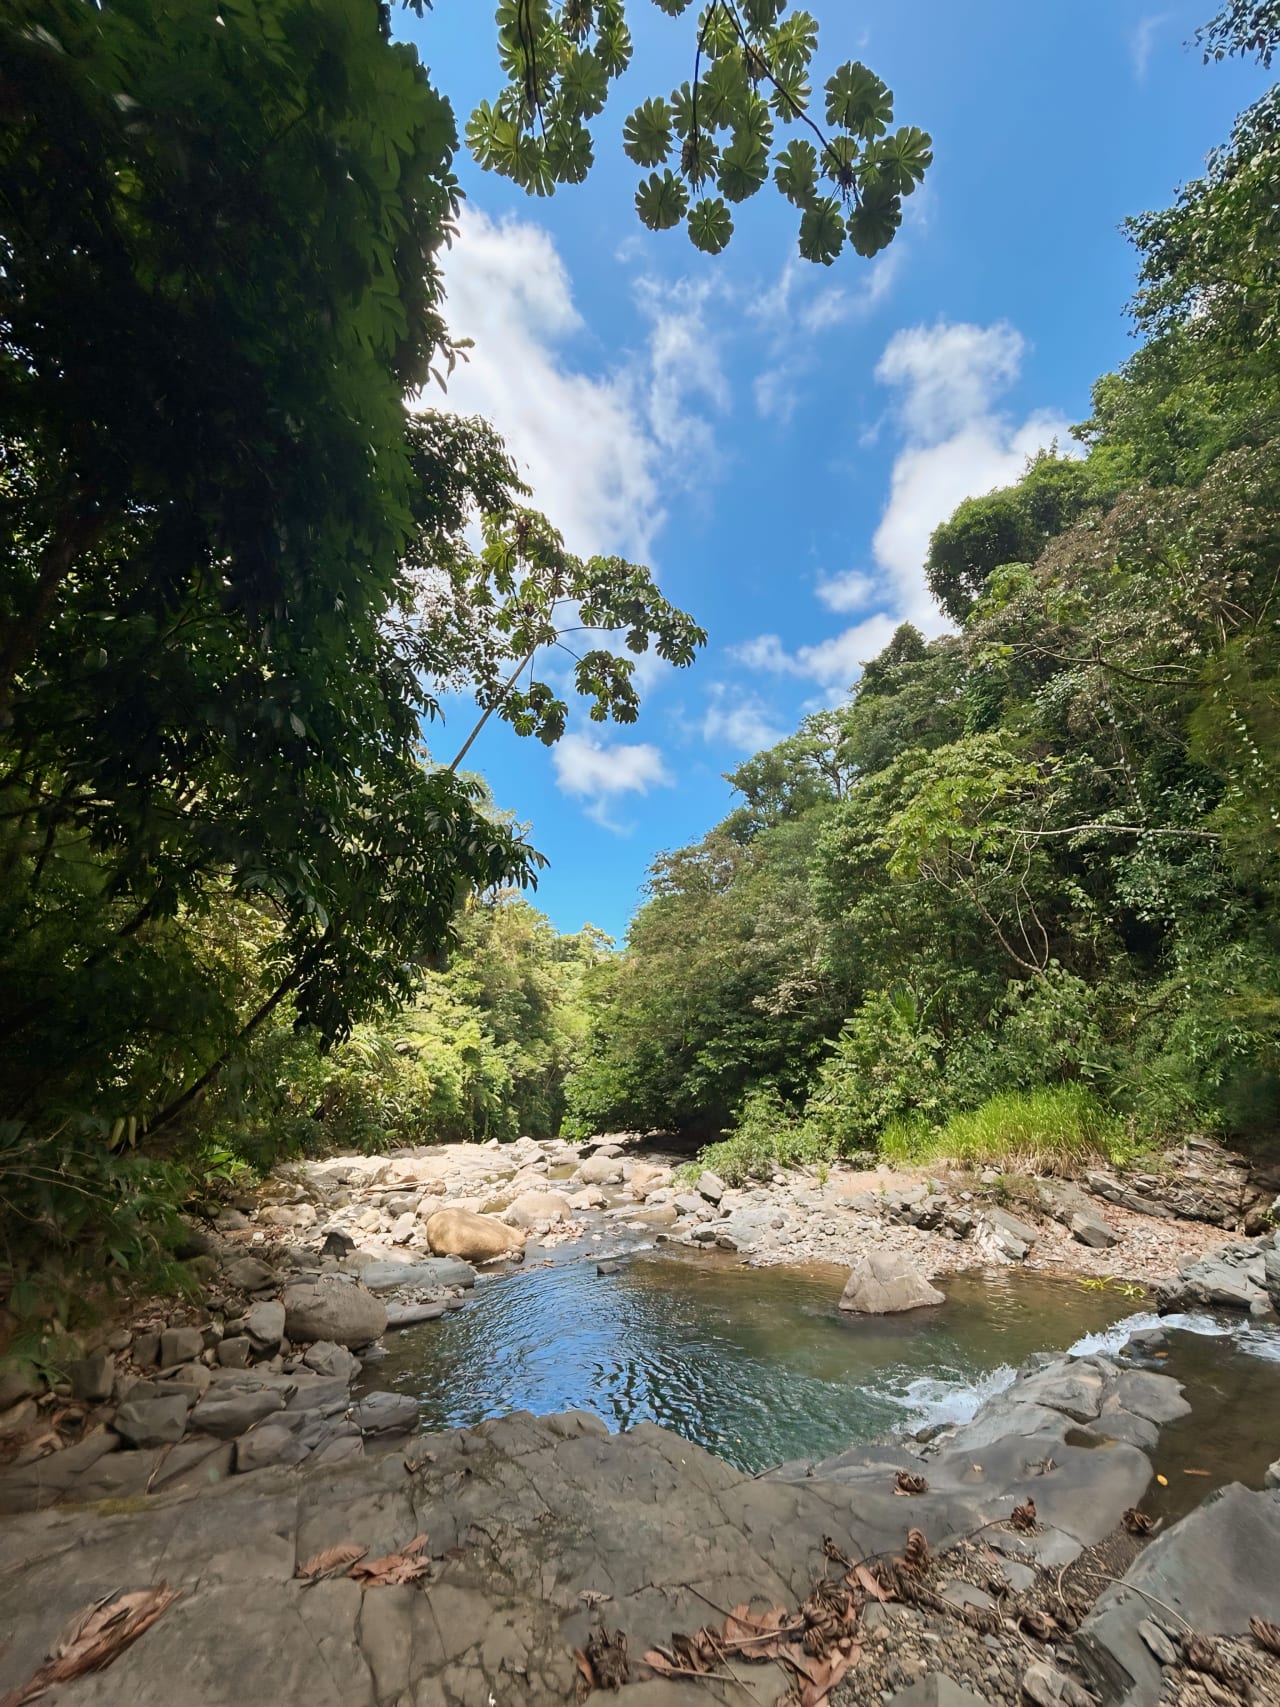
936 1690
333 1308
1049 1687
326 1357
1215 1569
1233 1276
1158 1398
234 1351
711 1186
227 1414
264 1324
93 1377
386 1413
153 1422
476 1238
180 1345
884 1284
268 1444
1088 1228
1271 1476
1076 1390
431 1274
690 1203
1005 1235
1271 1275
600 1170
537 1208
249 1274
411 1315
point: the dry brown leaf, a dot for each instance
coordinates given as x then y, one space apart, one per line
1197 1472
94 1638
1041 1624
826 1675
1138 1522
584 1666
917 1553
1024 1516
862 1578
1266 1633
593 1597
905 1483
392 1569
331 1561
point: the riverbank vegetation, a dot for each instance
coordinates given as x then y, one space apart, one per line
1021 893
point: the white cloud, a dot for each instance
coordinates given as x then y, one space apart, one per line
1142 41
955 444
597 773
741 720
949 374
596 447
850 591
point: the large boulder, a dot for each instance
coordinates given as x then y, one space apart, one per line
475 1238
884 1284
333 1308
537 1208
601 1170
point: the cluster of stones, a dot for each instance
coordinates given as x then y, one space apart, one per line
263 1376
1244 1275
541 1529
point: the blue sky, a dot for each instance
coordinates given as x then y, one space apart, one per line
777 440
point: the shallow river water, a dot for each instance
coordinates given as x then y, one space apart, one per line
759 1365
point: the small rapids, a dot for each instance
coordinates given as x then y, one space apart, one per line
759 1365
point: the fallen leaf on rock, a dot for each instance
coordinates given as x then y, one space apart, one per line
594 1597
917 1553
391 1569
1197 1472
862 1578
1138 1522
1163 1480
826 1674
1041 1624
94 1638
905 1483
607 1657
1266 1633
1024 1516
331 1561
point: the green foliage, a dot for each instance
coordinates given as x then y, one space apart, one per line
885 1065
767 1135
1058 1129
752 64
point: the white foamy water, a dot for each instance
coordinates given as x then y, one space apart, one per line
930 1401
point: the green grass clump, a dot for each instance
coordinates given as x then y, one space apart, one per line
1057 1129
767 1135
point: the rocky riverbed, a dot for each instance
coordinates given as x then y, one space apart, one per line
534 1560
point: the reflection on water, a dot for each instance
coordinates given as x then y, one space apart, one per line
756 1364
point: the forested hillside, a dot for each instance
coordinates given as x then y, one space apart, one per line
1022 887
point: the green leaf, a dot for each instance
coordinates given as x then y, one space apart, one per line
859 101
584 85
822 230
900 161
569 152
761 15
698 158
710 225
682 105
722 93
791 93
613 47
661 201
794 42
744 167
755 120
838 159
873 225
716 31
646 135
673 8
796 172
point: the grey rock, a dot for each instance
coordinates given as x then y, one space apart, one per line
711 1186
1088 1228
145 1350
1271 1275
153 1422
268 1444
410 1315
1123 1425
886 1284
180 1345
227 1414
231 1221
429 1275
1012 1237
1146 1394
1214 1569
249 1274
264 1324
325 1357
1159 1642
936 1691
1048 1687
601 1170
1075 1390
386 1413
233 1353
1232 1276
1271 1476
333 1308
93 1377
690 1203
